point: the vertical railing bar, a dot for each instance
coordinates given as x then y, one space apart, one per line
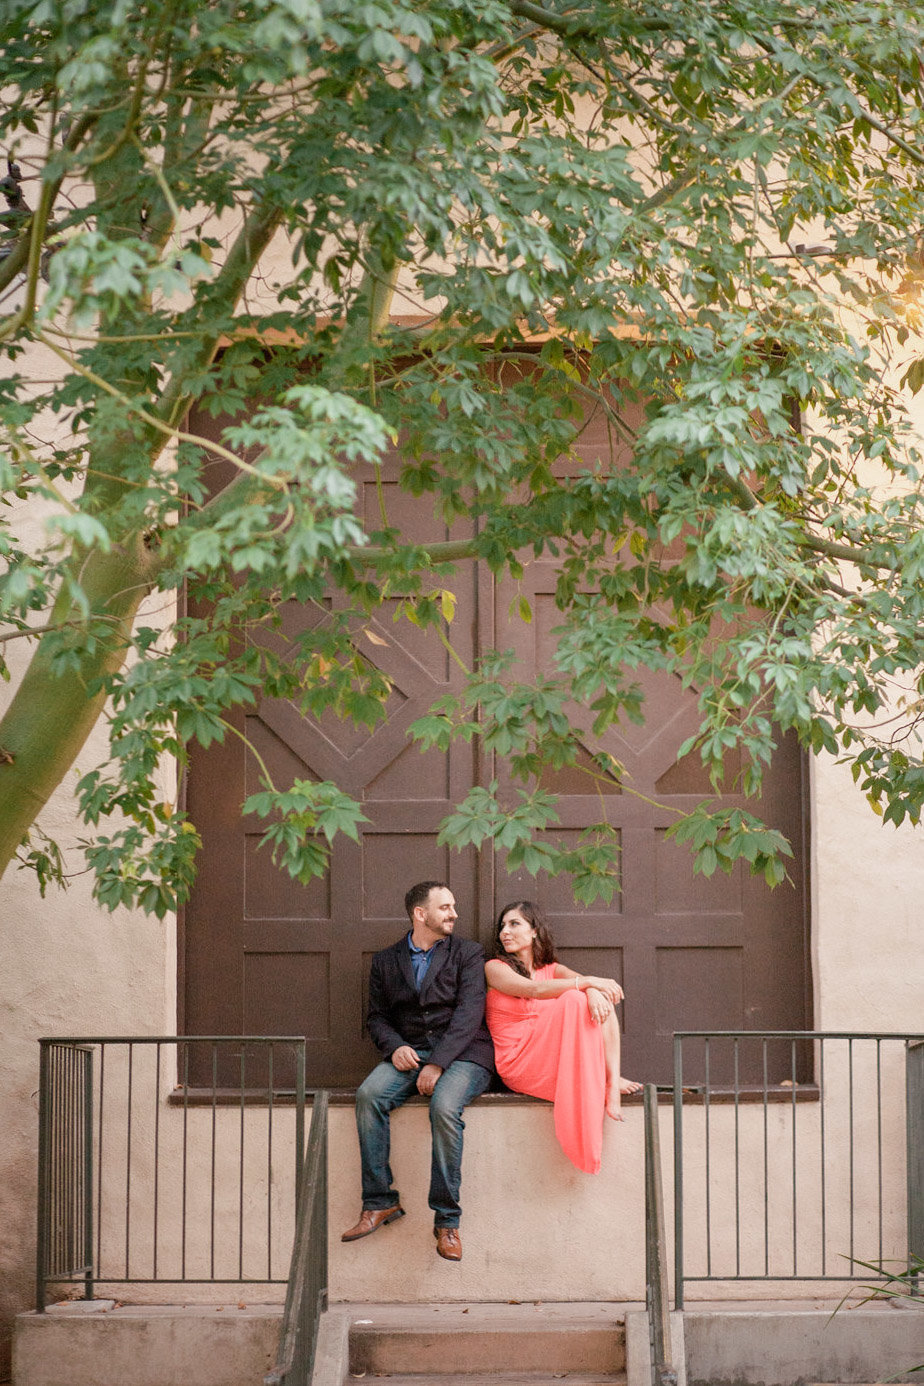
61 1125
678 1172
157 1064
214 1146
128 1160
60 1155
737 1162
914 1161
879 1139
656 1290
75 1224
185 1159
240 1175
66 1182
299 1117
60 1118
79 1164
62 1114
766 1106
52 1155
323 1238
68 1155
71 1172
707 1117
795 1158
99 1157
269 1162
88 1283
850 1143
41 1246
823 1099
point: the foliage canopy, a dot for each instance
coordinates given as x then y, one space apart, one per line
712 209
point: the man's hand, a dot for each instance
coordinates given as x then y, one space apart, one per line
406 1058
428 1078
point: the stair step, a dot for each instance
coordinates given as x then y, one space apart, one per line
495 1378
525 1346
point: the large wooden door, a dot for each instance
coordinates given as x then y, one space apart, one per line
692 953
265 955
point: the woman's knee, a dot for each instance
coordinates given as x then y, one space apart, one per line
577 1000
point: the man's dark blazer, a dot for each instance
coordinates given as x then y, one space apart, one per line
446 1017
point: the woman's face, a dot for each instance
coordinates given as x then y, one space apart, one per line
516 933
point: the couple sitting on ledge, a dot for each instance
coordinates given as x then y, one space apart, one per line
442 1037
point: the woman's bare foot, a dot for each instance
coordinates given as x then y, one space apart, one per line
627 1085
613 1104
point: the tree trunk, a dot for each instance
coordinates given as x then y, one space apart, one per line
51 715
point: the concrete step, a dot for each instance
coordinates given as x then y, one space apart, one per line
547 1341
513 1378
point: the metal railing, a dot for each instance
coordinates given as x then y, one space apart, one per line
798 1156
168 1159
65 1179
306 1295
657 1294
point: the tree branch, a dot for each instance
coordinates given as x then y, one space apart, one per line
18 258
572 28
255 235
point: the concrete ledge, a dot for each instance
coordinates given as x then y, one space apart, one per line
767 1348
638 1349
332 1355
95 1343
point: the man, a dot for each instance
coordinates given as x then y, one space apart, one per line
426 1015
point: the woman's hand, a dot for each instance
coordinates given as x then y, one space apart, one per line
609 988
598 1005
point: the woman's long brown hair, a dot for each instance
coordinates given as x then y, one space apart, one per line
543 945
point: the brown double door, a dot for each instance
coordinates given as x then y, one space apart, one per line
265 955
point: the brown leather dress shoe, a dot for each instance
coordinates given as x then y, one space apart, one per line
448 1243
370 1220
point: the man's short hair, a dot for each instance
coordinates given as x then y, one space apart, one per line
419 894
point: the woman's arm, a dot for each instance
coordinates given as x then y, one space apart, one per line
609 988
503 978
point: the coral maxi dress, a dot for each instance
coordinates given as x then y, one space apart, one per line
552 1049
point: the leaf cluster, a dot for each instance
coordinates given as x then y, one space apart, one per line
624 285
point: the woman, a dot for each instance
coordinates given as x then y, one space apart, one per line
555 1032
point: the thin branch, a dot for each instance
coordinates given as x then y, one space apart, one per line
254 236
18 258
28 631
178 434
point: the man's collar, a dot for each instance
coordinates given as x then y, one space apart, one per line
414 948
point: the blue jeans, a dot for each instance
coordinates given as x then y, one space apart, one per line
386 1088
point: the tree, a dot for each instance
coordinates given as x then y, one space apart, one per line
713 209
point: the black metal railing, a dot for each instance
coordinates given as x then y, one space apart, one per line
169 1159
657 1294
306 1294
798 1155
65 1176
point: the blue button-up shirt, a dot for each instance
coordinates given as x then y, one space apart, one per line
420 959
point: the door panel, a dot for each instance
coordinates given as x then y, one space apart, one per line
723 952
264 954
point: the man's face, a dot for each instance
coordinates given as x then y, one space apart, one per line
439 911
